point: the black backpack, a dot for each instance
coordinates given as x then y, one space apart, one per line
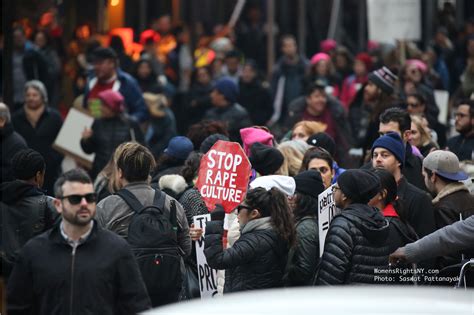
152 234
18 226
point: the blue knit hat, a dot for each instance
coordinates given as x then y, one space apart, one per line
393 143
228 88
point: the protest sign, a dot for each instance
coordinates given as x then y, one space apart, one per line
326 211
207 276
68 140
224 175
391 20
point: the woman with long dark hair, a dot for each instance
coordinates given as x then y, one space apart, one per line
304 257
258 258
388 202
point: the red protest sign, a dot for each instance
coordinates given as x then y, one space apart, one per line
224 175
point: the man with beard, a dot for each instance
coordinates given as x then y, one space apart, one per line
76 267
463 144
388 152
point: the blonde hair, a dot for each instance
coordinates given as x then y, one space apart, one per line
293 153
310 127
421 123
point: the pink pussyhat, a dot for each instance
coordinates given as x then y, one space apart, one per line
418 63
251 135
318 57
327 45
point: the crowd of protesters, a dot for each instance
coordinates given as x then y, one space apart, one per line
365 123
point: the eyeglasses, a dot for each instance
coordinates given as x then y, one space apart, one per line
414 105
76 199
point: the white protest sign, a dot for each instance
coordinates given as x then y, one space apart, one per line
442 100
326 211
69 137
391 20
207 276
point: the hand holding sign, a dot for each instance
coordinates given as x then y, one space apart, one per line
223 175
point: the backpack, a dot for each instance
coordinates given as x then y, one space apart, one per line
152 235
17 227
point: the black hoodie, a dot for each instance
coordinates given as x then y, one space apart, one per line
26 212
355 247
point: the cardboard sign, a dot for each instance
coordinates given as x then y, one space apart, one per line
207 276
224 175
391 20
69 137
326 211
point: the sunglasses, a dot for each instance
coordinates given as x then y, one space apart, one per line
76 199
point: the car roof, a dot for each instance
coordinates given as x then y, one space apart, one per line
346 300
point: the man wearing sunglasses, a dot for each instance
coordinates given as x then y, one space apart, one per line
76 267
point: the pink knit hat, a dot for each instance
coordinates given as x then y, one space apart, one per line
417 63
113 100
327 45
318 57
251 135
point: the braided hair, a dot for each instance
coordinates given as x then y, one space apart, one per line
27 163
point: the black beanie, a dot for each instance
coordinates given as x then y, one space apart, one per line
309 183
26 163
323 140
359 185
207 144
265 160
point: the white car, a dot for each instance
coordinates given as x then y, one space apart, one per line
347 300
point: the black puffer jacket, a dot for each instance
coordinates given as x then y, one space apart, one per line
26 212
107 135
235 116
304 257
355 247
256 260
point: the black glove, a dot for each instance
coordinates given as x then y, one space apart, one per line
218 214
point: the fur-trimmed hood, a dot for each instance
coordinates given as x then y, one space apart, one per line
174 185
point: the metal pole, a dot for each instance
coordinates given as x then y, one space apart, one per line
430 11
459 13
336 5
362 25
142 14
270 37
8 7
302 26
176 9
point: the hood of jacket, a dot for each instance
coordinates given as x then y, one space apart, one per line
15 190
369 220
